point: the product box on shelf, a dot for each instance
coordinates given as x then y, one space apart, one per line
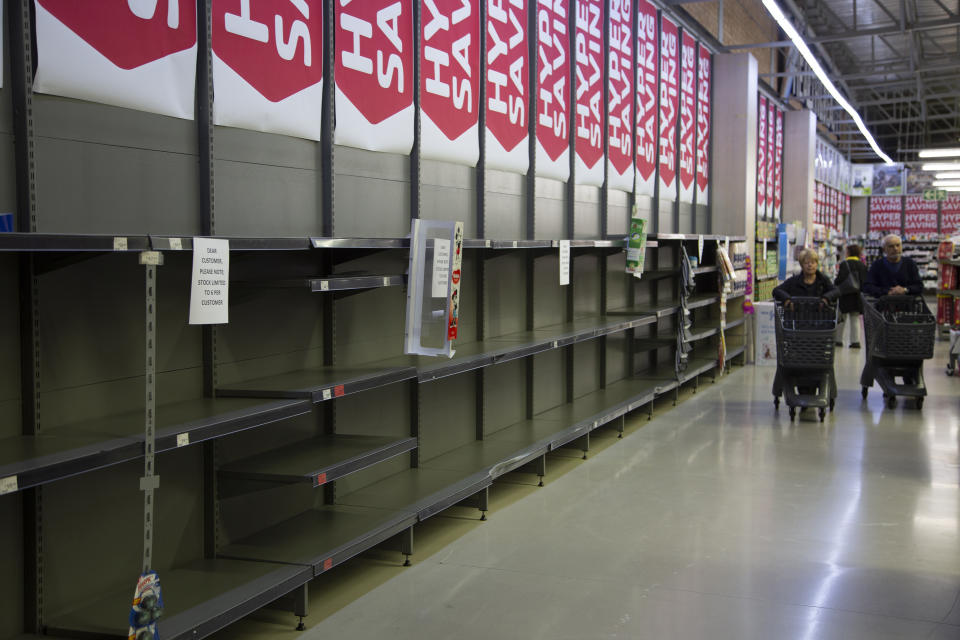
945 310
945 250
948 276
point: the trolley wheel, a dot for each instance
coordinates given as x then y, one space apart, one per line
823 414
919 402
891 401
949 369
776 402
863 392
793 412
833 402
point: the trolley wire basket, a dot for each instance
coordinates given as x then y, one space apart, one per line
805 334
899 328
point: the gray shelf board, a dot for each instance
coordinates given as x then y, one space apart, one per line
703 331
185 243
333 533
493 457
603 405
655 274
649 344
359 243
87 445
520 244
654 309
767 277
539 435
331 283
733 353
199 598
321 383
702 300
424 491
587 327
734 296
954 261
319 460
707 269
949 292
35 242
734 323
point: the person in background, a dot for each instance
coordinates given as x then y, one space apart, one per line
851 305
810 282
894 274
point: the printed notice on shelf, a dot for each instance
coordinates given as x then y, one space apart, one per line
211 281
441 267
564 262
8 485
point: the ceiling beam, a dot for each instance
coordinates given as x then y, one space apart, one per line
852 34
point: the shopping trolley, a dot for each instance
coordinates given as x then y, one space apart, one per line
900 334
805 344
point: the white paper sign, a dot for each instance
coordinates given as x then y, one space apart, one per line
441 267
700 248
564 262
210 283
8 485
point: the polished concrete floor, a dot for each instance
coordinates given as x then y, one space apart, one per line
718 519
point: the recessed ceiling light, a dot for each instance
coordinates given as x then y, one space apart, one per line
940 153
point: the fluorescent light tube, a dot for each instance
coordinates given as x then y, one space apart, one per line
941 166
947 175
940 153
814 64
946 183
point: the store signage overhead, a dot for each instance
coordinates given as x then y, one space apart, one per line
127 53
669 107
688 82
886 213
950 215
920 215
762 157
704 64
620 93
553 90
589 110
508 85
778 165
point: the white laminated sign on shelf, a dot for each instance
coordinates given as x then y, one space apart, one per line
589 97
268 66
564 262
138 54
553 94
210 284
433 287
620 90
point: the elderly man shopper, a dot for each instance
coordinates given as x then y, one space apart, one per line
894 274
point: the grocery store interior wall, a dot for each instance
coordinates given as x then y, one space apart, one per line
744 21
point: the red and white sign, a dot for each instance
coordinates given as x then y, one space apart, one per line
950 216
646 121
620 92
771 117
373 49
508 85
688 83
268 66
669 107
138 54
589 129
885 214
778 165
450 83
704 60
920 216
553 89
762 157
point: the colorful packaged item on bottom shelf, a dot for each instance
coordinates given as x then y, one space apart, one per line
147 608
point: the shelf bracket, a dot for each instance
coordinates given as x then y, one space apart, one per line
150 481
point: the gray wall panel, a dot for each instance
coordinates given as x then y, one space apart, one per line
617 346
504 395
371 194
506 294
686 218
97 188
702 214
585 277
11 559
549 380
9 337
448 192
262 200
666 218
370 326
618 212
267 149
504 216
586 367
448 414
550 209
586 212
549 298
618 282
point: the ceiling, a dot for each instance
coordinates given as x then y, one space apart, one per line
898 62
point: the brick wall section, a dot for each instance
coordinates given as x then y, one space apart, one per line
744 21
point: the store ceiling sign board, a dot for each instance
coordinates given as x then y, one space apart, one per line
704 68
861 176
886 213
268 66
374 74
620 92
762 156
588 139
778 165
553 89
688 82
771 117
669 107
920 216
950 215
508 85
450 87
138 54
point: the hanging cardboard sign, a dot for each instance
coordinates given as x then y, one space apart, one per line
669 107
373 49
885 214
688 80
620 92
950 216
920 216
128 53
704 62
589 81
778 165
771 117
553 90
450 83
762 157
268 66
508 85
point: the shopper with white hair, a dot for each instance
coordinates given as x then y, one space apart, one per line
894 274
810 282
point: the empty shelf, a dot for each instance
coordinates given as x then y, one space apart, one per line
495 456
655 309
701 361
734 352
712 268
317 385
702 300
71 242
703 331
319 460
656 274
424 491
730 324
92 444
331 283
734 296
173 243
602 406
322 537
648 344
199 598
661 381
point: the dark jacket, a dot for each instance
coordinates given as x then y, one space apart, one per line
795 286
881 278
851 302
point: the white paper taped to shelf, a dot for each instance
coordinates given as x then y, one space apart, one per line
564 262
183 439
119 244
441 267
700 248
324 285
8 485
210 284
327 394
176 244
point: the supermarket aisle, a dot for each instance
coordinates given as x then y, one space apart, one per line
718 520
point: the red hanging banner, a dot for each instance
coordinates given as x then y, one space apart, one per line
688 81
450 83
589 63
778 165
647 70
886 213
373 49
669 107
950 216
704 60
920 216
553 90
620 90
508 85
762 157
771 116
